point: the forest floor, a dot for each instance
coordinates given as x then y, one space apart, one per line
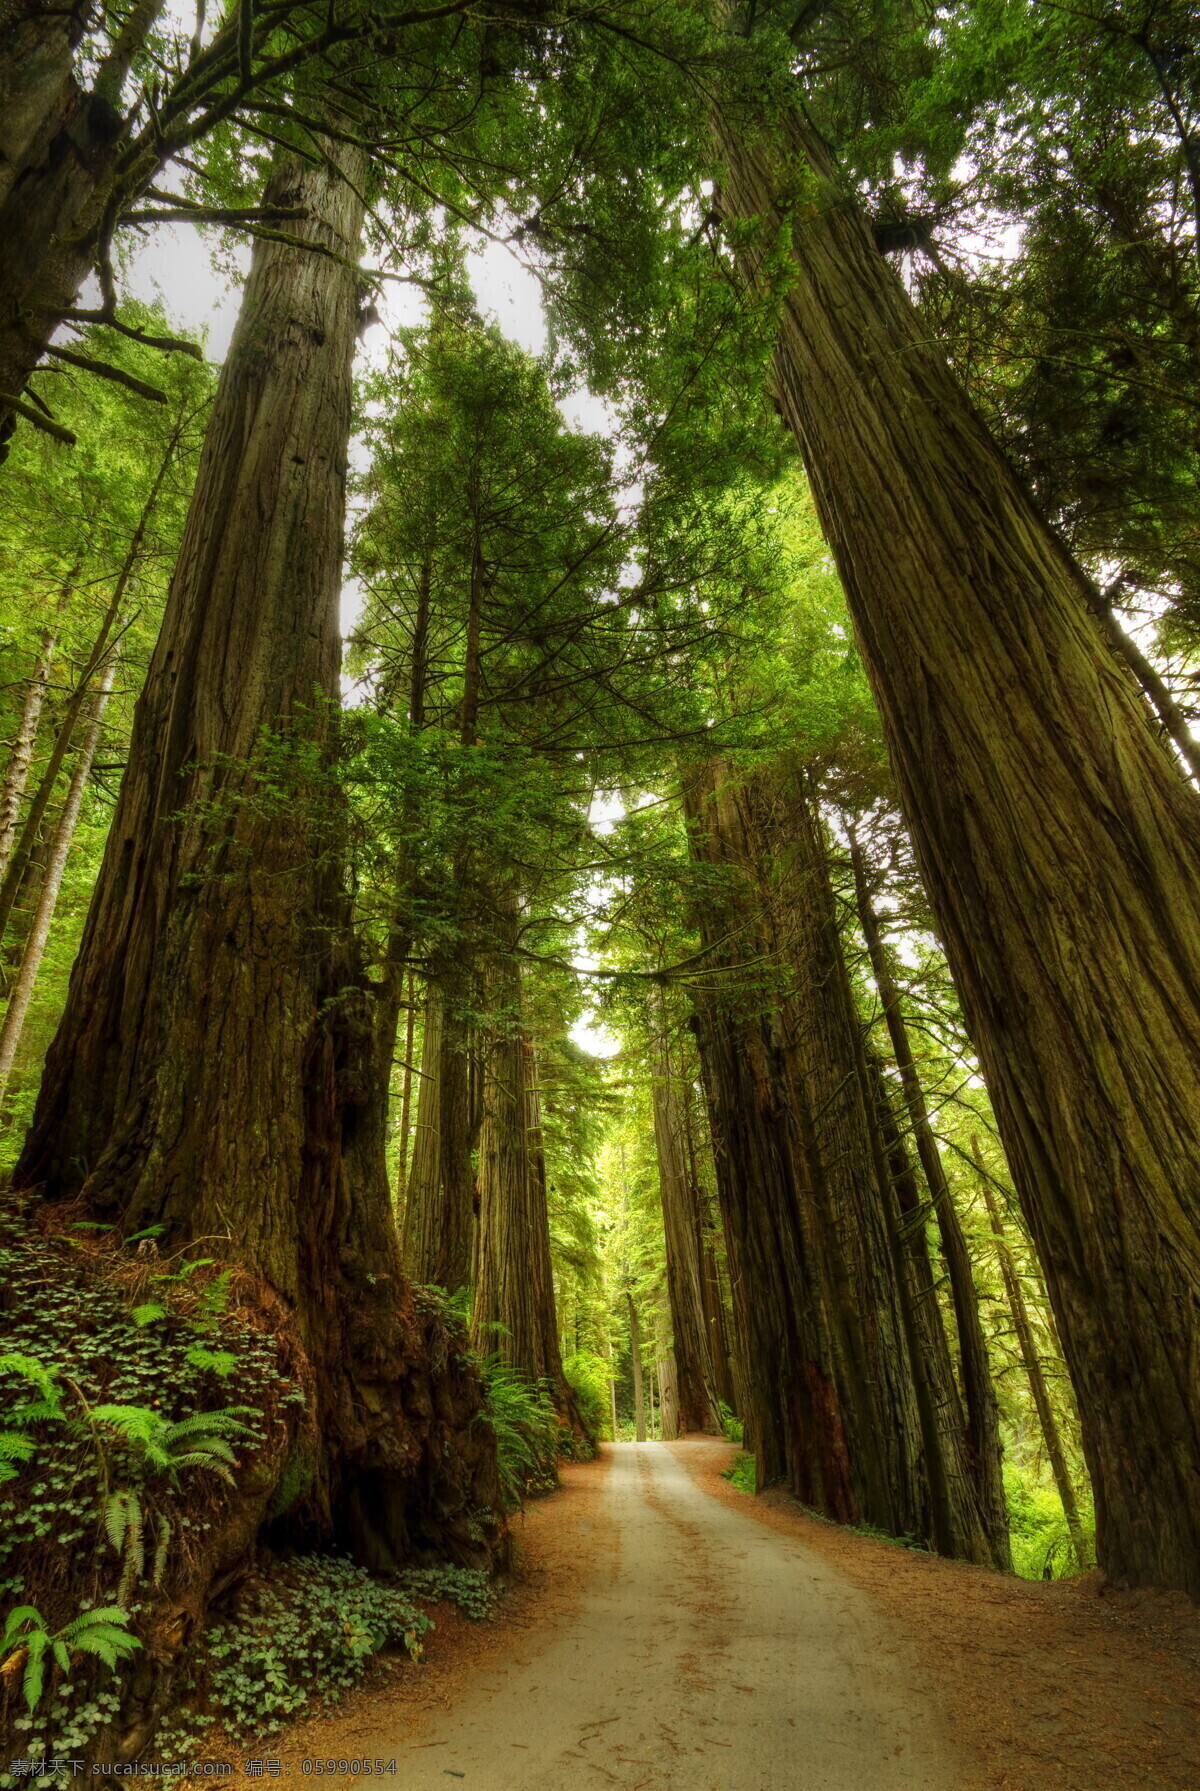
667 1630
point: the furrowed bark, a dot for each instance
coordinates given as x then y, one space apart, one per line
422 1209
830 1403
208 1073
1059 841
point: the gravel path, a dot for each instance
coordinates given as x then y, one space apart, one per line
708 1653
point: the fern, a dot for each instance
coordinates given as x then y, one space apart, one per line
102 1633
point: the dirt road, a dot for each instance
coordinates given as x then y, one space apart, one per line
707 1653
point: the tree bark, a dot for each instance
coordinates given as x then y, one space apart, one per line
672 1428
695 1390
16 774
404 1128
830 1403
635 1363
712 1292
982 1411
208 1068
514 1312
421 1233
1032 1361
1059 841
56 864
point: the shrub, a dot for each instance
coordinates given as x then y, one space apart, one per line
587 1376
1041 1541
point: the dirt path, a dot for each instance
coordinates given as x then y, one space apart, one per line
707 1652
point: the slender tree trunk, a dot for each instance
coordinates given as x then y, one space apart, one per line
207 1072
457 1217
695 1390
16 774
983 1413
711 1288
19 854
406 1093
421 1232
1034 1374
56 864
612 1388
1059 841
635 1363
514 1312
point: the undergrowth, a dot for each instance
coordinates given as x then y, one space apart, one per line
308 1629
1041 1541
740 1472
118 1447
528 1433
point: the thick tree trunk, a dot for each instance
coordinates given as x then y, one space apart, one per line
695 1390
1059 842
830 1401
56 864
982 1411
207 1070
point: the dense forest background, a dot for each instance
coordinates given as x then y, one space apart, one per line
636 889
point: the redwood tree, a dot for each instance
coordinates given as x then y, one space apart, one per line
206 1072
1059 842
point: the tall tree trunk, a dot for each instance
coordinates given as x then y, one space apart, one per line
459 1131
56 864
404 1128
11 882
421 1232
1059 841
695 1391
712 1294
1034 1374
514 1311
830 1403
16 774
207 1068
983 1412
668 1384
635 1363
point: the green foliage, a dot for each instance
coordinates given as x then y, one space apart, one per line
1041 1540
103 1634
309 1630
587 1376
731 1427
158 1446
741 1472
527 1429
